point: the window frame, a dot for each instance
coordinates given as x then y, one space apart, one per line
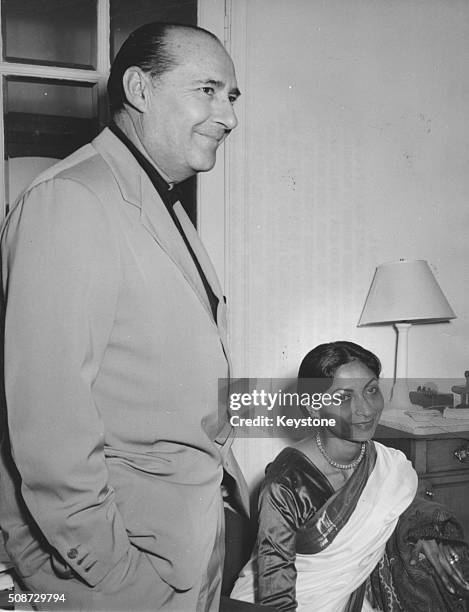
86 75
211 15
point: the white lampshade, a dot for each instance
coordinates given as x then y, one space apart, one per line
405 290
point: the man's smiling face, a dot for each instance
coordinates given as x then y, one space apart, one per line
190 110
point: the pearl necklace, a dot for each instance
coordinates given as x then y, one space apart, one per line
341 466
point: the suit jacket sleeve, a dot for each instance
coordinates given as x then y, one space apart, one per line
61 278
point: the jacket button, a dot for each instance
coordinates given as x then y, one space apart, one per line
72 553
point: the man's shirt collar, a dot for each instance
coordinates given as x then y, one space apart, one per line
168 192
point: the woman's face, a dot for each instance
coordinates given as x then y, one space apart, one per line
361 402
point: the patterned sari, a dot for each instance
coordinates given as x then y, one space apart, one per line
346 551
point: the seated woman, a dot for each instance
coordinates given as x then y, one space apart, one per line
340 526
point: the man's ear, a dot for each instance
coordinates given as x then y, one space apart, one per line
136 85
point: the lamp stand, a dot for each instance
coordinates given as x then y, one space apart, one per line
399 399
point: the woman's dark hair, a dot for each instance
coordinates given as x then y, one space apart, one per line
147 48
322 362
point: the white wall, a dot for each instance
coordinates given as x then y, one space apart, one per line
352 151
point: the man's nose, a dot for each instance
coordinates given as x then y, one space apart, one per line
226 115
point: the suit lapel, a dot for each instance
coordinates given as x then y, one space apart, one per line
137 189
157 221
199 250
209 271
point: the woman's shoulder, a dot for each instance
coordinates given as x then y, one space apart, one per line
294 486
293 469
391 461
389 454
290 458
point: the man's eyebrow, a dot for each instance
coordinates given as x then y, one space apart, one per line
219 85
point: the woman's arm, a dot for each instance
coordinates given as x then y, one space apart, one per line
278 524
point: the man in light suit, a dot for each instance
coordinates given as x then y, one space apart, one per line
115 338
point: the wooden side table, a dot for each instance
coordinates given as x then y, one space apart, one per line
440 456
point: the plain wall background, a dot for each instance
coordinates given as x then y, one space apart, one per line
352 151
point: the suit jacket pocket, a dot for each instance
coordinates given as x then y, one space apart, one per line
174 524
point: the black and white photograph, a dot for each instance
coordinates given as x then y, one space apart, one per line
234 305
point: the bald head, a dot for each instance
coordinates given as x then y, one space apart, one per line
156 48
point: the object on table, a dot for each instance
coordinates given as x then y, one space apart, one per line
423 416
463 392
427 396
461 414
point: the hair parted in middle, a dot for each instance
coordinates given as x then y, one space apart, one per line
322 362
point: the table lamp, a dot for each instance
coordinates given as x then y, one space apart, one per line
401 293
